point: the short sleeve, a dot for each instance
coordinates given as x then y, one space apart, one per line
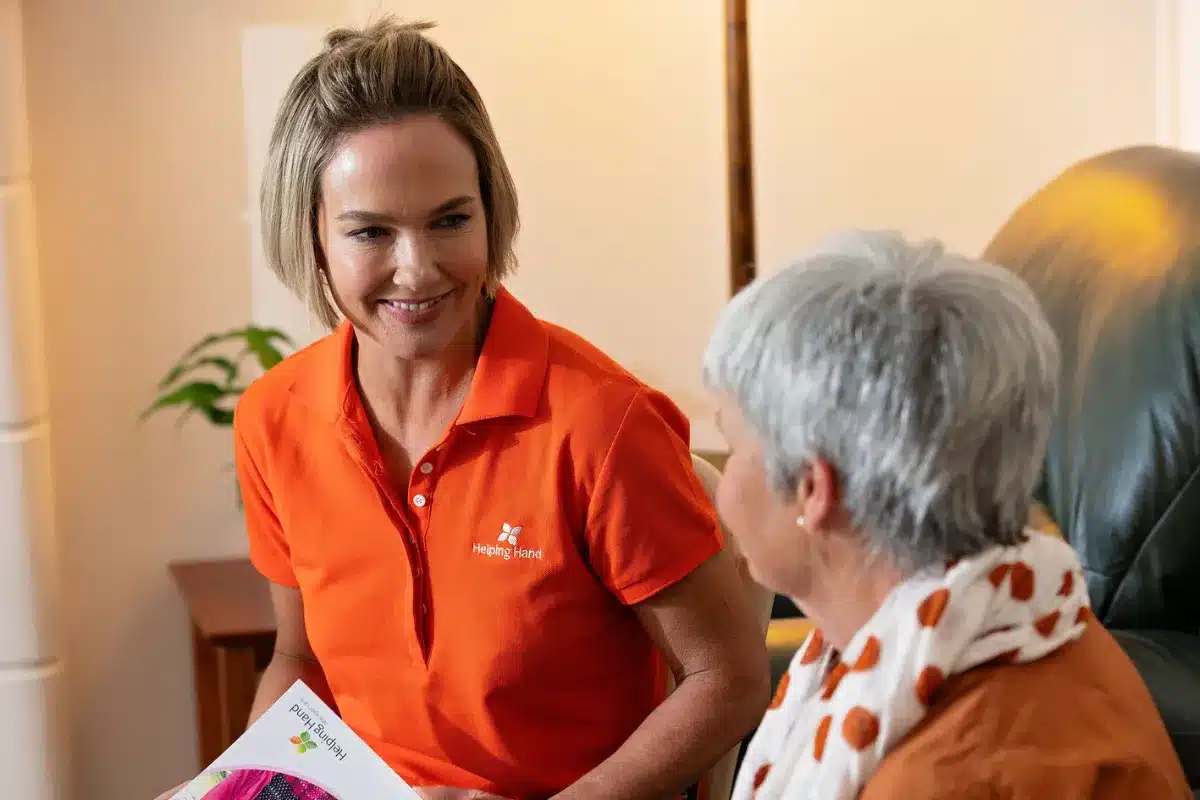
649 521
269 552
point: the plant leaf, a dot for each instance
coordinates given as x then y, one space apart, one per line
211 339
275 334
225 365
260 341
216 400
219 416
199 395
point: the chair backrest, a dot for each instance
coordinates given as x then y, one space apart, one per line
718 784
1111 248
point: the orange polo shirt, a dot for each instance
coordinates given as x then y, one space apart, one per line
476 630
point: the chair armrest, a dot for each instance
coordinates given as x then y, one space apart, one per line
784 636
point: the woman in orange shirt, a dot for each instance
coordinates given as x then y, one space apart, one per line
486 543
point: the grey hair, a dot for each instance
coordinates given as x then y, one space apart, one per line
927 380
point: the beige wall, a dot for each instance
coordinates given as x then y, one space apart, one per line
936 118
140 154
138 145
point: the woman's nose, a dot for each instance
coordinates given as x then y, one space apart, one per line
411 257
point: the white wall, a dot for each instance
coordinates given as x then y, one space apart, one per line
611 117
936 118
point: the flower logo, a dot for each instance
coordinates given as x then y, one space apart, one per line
508 534
303 743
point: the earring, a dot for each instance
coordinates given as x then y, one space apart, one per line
800 521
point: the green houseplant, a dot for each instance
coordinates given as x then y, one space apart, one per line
211 375
208 378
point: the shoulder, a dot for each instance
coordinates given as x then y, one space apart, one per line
573 362
1078 718
599 395
270 401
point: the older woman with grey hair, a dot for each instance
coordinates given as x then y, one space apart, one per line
887 406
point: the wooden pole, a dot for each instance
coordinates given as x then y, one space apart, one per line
742 253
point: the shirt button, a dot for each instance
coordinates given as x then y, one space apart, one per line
426 468
420 500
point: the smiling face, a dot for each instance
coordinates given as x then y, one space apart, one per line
404 236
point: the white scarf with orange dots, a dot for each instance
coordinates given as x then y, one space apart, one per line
834 719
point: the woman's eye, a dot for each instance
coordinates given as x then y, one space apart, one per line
451 222
367 234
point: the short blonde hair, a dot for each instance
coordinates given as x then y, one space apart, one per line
365 77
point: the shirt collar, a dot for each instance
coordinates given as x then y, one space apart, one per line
511 373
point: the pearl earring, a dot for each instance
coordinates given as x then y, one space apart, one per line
800 521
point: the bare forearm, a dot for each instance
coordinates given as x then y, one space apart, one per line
283 671
702 720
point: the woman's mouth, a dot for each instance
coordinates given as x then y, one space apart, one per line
415 309
405 305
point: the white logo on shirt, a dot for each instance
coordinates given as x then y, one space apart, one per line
506 546
509 534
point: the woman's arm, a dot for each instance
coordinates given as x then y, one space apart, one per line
707 630
293 659
270 553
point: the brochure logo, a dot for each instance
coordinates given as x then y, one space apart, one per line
303 743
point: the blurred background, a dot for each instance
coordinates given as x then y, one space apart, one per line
131 136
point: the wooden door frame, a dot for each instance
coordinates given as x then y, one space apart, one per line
740 152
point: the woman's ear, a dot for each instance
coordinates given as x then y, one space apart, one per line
818 496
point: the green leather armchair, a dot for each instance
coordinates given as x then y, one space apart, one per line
1112 249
